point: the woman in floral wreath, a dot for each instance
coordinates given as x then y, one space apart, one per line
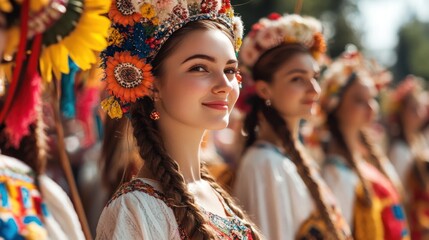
356 170
277 182
409 151
171 67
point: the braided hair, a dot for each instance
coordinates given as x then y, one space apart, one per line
264 69
189 217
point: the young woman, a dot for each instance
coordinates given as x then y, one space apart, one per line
277 182
409 151
355 169
171 67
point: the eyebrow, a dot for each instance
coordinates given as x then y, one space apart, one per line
297 70
206 57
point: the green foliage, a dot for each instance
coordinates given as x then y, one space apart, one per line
413 50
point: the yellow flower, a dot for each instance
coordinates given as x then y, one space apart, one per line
112 107
115 38
147 11
155 21
238 43
81 44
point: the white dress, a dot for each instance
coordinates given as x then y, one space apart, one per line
272 192
139 210
402 159
34 212
138 215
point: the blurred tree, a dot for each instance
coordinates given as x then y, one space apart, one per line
413 50
335 15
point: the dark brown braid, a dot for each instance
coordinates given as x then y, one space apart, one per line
230 202
279 126
375 154
338 137
264 69
251 122
166 171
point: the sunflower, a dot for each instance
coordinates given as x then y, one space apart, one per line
128 77
79 33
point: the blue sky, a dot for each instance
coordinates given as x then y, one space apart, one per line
380 21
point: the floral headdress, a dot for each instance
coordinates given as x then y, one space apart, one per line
339 73
139 29
393 100
276 30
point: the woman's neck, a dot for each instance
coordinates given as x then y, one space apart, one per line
183 145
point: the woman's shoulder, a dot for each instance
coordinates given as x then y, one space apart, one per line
138 209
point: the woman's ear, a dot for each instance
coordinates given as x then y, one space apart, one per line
156 94
263 89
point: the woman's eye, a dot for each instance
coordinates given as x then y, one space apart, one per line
297 79
198 69
231 71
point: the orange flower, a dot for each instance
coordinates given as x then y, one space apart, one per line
128 77
123 12
319 45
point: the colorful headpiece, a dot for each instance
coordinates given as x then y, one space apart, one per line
276 30
393 101
139 30
341 71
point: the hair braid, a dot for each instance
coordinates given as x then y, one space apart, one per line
280 126
151 148
338 136
251 121
230 202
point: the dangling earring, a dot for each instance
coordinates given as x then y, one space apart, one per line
239 79
154 115
268 102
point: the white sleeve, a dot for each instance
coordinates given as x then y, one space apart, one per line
273 194
342 181
137 215
402 159
62 221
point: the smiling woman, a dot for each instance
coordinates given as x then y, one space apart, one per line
291 200
174 89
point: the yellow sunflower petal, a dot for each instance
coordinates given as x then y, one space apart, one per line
82 56
46 66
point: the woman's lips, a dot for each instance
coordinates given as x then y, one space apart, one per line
219 105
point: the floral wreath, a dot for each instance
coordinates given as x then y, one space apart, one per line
392 101
138 31
339 73
275 30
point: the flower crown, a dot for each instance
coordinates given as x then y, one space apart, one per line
392 101
276 30
139 29
340 72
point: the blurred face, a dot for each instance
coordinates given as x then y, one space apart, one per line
414 112
294 90
358 105
198 87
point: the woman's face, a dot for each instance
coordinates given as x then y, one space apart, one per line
414 113
358 106
294 90
198 87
